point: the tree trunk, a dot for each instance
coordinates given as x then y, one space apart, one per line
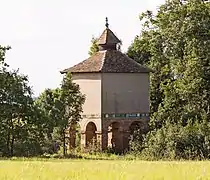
8 138
12 141
8 143
64 143
72 136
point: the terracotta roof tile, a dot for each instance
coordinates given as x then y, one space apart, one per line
108 37
108 61
116 61
92 64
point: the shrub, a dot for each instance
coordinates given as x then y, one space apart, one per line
175 142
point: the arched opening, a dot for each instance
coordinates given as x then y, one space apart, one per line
114 136
135 127
135 136
90 133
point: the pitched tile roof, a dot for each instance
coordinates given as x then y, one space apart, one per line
108 61
108 37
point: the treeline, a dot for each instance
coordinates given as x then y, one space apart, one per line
28 126
175 43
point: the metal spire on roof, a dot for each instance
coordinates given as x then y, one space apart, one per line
107 24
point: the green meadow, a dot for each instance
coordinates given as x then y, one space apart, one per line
55 169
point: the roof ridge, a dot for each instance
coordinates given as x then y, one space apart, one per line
103 60
106 31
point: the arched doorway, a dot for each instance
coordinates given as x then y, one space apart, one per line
114 140
135 130
134 127
90 134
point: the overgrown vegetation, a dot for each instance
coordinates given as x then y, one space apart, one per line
175 43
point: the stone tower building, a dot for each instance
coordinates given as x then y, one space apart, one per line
117 95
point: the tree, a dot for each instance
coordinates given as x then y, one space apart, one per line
63 108
26 124
139 50
166 45
45 105
17 119
73 101
187 47
94 47
176 42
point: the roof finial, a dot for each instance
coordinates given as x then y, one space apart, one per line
107 24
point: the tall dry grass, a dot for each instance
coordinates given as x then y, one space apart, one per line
43 169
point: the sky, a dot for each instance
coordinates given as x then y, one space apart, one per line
48 36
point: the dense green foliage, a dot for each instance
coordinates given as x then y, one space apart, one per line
32 127
19 127
62 108
175 43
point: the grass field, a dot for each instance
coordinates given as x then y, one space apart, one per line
102 170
